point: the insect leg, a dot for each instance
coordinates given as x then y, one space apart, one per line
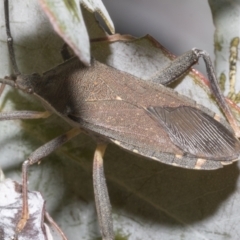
2 86
23 115
38 154
54 224
101 194
182 64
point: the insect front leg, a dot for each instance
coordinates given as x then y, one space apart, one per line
101 194
38 154
23 115
182 64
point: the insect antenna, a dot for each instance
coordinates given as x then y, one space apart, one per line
9 80
10 39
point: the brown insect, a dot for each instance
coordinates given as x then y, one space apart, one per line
143 117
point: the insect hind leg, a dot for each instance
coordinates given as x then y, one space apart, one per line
182 64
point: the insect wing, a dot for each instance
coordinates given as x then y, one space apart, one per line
197 133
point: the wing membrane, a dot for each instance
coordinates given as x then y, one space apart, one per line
196 132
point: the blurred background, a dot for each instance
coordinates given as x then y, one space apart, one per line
177 26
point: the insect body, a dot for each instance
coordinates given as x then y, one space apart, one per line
132 113
145 118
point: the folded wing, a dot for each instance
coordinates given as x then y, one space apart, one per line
196 133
